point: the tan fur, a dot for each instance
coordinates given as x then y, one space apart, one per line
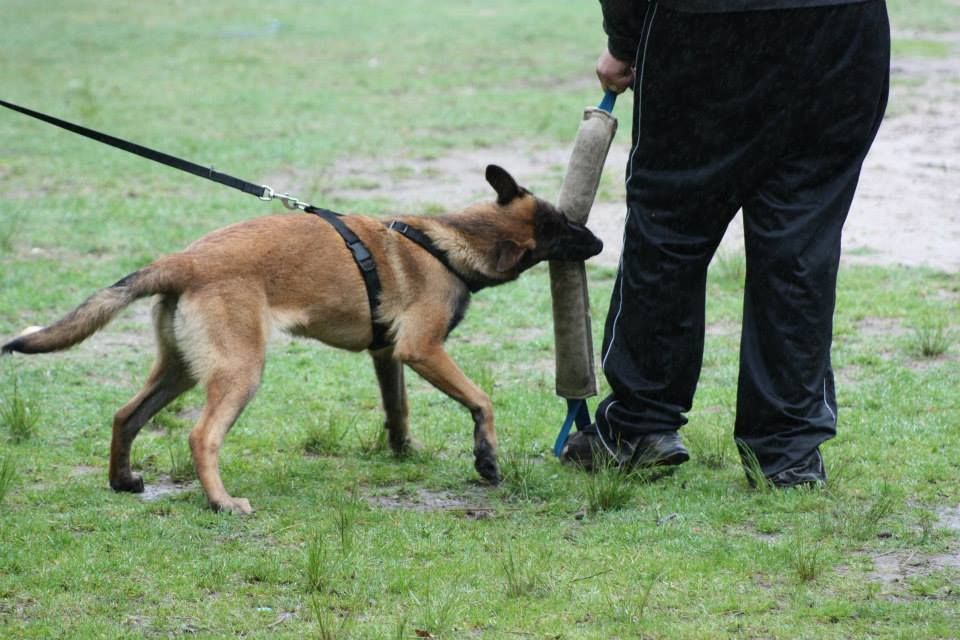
221 296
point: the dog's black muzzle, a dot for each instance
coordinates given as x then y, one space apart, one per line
577 243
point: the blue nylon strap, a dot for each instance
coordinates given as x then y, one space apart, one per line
609 99
577 412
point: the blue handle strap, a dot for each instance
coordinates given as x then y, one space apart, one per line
609 100
578 412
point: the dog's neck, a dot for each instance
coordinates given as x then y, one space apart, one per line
451 245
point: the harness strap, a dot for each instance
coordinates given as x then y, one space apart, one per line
368 269
427 244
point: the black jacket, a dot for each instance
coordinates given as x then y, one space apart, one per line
623 19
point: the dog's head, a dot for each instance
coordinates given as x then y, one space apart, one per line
534 230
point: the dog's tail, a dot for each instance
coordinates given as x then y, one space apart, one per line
97 310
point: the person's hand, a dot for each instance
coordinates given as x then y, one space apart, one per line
615 74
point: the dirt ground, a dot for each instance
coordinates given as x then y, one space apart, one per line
906 211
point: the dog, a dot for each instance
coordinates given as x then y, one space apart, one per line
218 300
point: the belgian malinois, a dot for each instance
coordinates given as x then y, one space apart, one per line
219 298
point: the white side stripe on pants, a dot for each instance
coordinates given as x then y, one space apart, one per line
639 65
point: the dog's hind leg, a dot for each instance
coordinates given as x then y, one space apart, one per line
227 335
228 392
393 391
168 379
437 368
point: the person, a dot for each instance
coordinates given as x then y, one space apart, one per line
764 106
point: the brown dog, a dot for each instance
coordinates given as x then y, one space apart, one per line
219 298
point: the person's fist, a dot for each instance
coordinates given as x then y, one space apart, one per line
615 74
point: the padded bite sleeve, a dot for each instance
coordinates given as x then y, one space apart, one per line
573 337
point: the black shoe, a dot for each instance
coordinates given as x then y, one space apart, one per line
809 472
664 448
588 450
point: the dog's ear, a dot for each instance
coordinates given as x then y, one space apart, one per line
508 254
503 183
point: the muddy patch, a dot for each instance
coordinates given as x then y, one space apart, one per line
894 568
163 487
949 518
871 327
472 505
900 566
83 470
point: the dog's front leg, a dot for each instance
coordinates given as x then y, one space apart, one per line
393 391
437 368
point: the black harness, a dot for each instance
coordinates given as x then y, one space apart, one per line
368 268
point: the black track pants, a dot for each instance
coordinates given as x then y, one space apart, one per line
768 111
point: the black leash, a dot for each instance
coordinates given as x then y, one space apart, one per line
261 191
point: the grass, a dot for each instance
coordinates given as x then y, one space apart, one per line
285 96
524 577
752 468
805 560
609 488
931 337
730 267
19 415
922 48
8 473
8 233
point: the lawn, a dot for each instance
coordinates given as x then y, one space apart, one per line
348 541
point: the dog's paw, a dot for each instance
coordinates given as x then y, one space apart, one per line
132 483
485 462
236 506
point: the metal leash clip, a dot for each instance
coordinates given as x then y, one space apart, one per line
290 202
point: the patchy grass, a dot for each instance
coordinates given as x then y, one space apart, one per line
19 415
349 540
931 337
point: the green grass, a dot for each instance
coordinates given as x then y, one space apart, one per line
286 92
19 416
8 473
926 15
931 337
922 48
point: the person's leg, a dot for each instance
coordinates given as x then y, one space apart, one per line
786 405
697 127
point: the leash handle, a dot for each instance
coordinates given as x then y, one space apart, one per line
608 102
